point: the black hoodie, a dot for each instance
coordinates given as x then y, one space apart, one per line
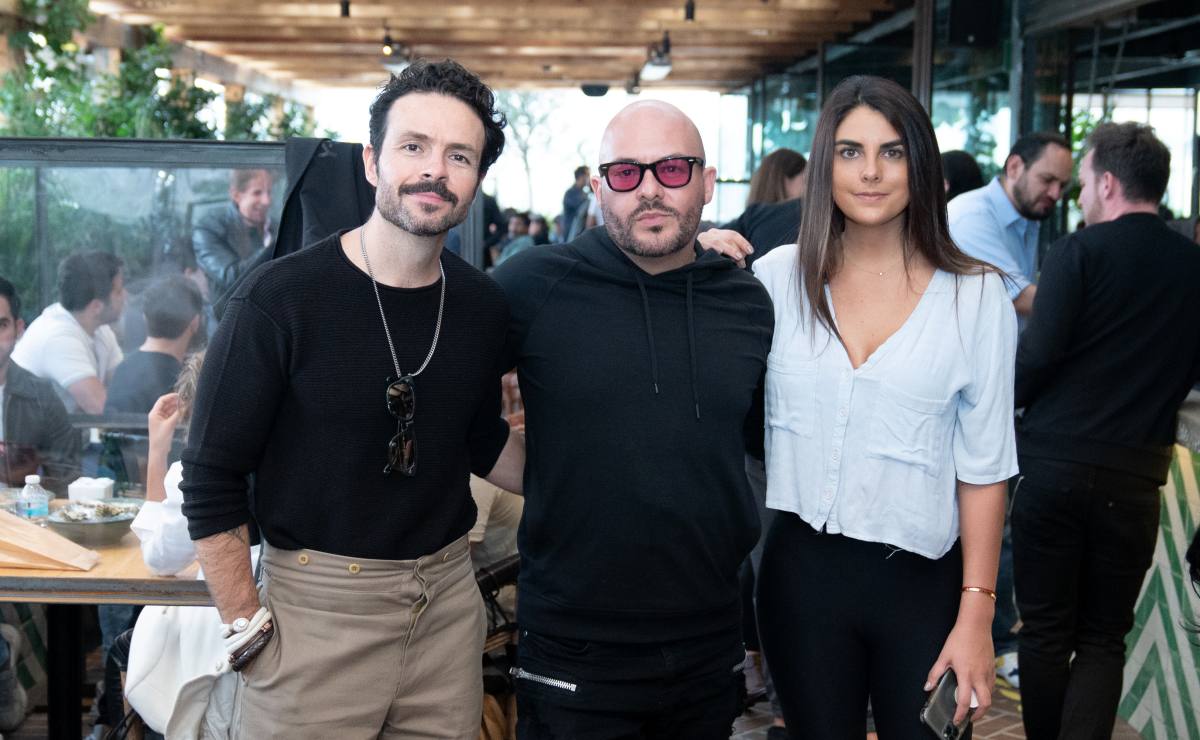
640 393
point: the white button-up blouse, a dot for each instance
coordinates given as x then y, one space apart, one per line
874 453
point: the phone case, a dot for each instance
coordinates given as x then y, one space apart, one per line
938 712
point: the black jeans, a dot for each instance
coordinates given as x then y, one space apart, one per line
575 690
1083 539
843 620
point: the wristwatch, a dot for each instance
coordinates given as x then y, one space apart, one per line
248 652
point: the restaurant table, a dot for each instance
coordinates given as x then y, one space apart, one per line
119 578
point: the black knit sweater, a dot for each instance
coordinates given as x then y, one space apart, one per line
292 391
1112 348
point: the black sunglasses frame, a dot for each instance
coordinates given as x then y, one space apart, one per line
401 397
642 167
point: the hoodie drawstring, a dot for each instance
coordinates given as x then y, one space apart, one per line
649 331
691 345
691 331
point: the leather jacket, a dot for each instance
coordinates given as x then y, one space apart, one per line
226 248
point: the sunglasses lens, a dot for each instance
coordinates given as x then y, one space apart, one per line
673 173
623 177
402 451
401 398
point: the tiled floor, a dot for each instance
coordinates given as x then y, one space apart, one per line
1003 722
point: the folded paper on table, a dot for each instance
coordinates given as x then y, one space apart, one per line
90 489
24 544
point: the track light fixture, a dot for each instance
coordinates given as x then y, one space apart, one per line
658 60
689 10
345 8
389 44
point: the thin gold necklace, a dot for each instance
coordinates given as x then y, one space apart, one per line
880 273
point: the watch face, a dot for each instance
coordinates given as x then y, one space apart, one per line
240 624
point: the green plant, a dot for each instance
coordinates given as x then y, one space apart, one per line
247 120
297 121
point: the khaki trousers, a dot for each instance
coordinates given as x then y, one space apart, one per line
366 649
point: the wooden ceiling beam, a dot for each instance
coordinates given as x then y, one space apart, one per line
669 9
578 38
535 42
432 16
356 48
500 28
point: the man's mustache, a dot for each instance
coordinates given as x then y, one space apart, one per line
653 205
437 187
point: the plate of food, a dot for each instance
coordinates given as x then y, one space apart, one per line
94 523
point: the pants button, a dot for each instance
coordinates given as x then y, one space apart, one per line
303 559
354 569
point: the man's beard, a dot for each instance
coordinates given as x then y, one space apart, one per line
1027 206
392 208
621 230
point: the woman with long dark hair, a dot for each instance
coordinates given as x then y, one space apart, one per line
889 433
779 177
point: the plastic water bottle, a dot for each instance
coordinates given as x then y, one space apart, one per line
34 501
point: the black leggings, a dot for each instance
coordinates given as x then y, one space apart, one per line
843 620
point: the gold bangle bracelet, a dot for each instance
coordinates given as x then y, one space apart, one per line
980 590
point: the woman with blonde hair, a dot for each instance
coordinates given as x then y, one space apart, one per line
889 434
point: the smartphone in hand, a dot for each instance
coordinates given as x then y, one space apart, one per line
938 712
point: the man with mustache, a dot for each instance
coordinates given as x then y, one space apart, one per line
640 356
358 381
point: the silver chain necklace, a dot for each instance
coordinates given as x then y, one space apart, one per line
437 330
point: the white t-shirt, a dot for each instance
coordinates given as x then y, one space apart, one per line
2 413
56 347
874 453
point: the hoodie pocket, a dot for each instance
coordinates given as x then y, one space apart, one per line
791 395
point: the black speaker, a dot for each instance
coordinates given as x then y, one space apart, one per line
975 23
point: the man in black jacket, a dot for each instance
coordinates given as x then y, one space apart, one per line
35 434
1108 356
232 240
640 356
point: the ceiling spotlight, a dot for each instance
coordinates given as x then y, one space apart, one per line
658 61
345 8
396 56
689 10
634 85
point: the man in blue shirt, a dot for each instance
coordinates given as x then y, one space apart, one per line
999 223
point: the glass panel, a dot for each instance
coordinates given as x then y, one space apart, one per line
890 57
971 109
791 111
157 208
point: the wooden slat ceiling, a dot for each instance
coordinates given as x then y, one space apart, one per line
511 43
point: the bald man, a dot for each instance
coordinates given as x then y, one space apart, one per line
640 358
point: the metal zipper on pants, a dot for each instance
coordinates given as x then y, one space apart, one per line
546 680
